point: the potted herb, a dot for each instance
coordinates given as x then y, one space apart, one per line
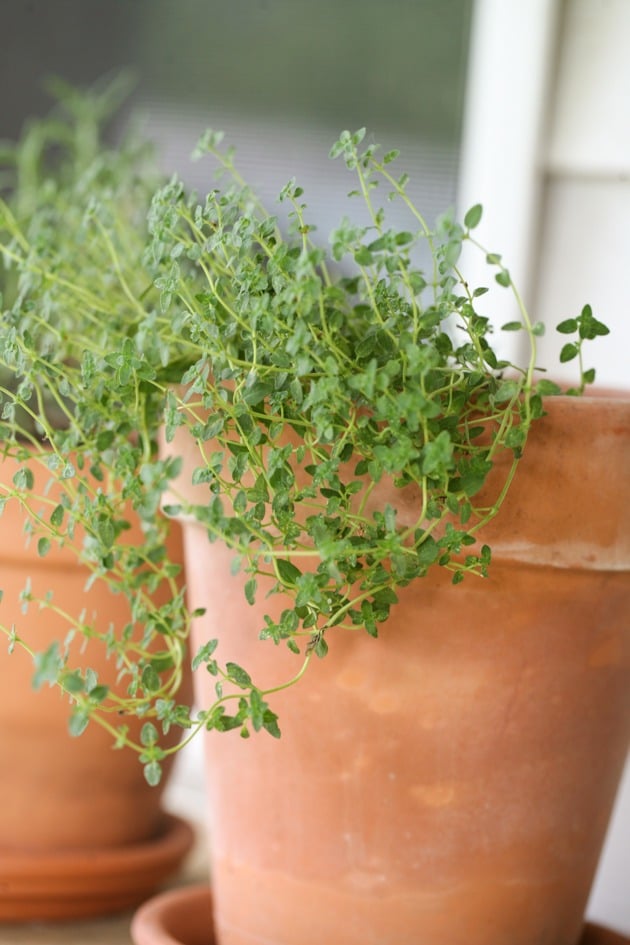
357 449
343 446
81 832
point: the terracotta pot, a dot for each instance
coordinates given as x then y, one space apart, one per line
178 917
72 810
451 782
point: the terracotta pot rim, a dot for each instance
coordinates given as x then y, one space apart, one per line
161 920
604 395
89 882
156 921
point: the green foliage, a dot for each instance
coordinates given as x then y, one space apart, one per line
587 328
306 374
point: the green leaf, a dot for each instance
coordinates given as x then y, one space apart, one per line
238 675
257 392
43 547
437 455
588 326
48 665
56 516
507 390
24 478
536 407
202 474
569 352
98 693
369 621
363 257
548 388
258 706
153 773
270 723
148 735
150 679
512 326
473 217
162 661
104 440
287 571
515 439
78 721
106 531
204 654
250 590
73 682
568 326
428 551
337 149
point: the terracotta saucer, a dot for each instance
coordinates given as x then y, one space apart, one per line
184 917
87 883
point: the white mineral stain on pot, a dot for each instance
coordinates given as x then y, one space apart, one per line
438 794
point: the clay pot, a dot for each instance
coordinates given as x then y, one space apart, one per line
178 917
81 832
452 781
184 916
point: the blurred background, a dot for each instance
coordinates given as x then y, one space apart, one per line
282 78
522 107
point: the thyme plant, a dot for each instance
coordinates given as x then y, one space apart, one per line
75 424
308 376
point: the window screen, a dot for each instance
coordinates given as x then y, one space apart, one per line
281 77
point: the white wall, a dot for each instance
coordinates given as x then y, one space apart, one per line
584 238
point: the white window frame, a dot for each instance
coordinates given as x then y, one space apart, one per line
507 93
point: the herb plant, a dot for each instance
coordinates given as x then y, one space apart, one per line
310 379
75 424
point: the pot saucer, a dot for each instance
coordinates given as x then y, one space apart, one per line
184 917
84 883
